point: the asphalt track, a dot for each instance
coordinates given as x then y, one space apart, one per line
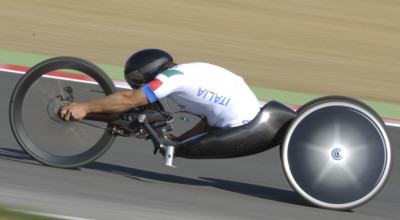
128 182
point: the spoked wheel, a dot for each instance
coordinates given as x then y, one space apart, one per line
34 112
337 153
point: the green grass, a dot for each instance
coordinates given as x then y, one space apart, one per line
11 214
385 110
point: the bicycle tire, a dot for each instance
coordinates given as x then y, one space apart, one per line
337 154
36 80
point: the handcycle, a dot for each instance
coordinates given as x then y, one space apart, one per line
335 150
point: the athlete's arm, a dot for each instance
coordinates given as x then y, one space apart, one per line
114 103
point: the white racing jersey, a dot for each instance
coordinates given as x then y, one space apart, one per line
205 89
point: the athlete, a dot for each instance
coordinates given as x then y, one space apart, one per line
222 98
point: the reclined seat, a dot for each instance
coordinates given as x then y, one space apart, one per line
265 131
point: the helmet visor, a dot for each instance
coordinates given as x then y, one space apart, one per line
135 79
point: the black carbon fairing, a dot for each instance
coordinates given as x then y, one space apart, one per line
264 132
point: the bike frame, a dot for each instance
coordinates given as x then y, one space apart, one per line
153 124
264 132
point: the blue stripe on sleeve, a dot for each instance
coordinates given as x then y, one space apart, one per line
149 93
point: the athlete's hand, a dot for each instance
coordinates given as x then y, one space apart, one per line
73 112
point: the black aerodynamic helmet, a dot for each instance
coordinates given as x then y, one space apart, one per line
144 65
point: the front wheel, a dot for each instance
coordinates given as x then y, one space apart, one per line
34 112
336 154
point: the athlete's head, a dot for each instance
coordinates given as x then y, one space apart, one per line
144 65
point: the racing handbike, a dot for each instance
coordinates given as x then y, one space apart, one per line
335 150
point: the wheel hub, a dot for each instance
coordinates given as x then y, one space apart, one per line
54 107
337 154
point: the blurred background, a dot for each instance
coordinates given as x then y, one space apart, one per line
321 47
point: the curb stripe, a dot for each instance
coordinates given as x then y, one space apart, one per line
124 85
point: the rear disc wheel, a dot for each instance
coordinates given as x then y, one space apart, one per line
336 154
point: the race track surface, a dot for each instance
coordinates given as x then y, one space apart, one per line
128 182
